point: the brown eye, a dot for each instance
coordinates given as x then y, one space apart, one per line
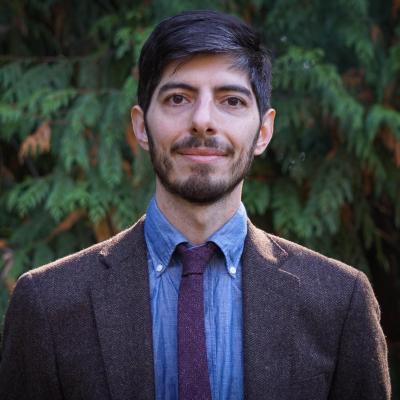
177 99
234 101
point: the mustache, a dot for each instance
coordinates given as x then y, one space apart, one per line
192 142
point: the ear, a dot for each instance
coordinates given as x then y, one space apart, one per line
266 131
139 128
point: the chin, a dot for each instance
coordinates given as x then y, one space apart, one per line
200 191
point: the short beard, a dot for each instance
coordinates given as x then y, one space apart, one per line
198 188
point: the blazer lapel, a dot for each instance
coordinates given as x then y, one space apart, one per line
121 303
269 317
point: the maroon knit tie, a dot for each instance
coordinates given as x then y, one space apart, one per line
193 378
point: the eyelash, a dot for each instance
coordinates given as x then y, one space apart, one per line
238 99
170 99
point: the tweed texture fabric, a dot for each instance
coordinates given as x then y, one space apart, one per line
193 374
80 327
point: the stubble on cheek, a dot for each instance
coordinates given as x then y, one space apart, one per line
166 163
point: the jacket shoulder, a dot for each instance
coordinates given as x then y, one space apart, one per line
311 259
71 274
322 280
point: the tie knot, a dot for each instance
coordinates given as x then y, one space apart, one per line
195 260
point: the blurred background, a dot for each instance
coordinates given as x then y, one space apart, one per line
71 173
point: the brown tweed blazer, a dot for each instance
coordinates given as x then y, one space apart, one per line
80 328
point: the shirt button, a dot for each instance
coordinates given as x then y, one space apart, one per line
232 270
159 268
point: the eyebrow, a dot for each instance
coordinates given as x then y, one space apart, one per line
176 85
235 88
224 88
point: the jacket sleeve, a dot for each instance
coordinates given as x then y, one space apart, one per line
362 365
28 365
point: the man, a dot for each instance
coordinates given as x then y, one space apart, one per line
261 318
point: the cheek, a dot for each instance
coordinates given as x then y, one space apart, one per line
163 134
243 136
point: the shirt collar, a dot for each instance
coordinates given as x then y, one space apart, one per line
162 238
230 239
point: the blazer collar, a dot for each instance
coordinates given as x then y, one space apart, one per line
269 316
121 303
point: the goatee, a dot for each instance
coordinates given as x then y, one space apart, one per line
199 187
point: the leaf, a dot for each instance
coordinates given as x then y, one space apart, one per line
110 163
27 195
66 196
103 230
67 223
57 99
123 41
379 115
392 143
18 264
38 142
9 113
256 196
42 255
10 73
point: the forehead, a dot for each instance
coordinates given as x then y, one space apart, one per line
211 70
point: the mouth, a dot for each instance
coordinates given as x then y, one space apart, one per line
202 154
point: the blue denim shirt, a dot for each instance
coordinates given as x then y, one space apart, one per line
222 304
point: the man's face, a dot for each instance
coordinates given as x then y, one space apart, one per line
203 128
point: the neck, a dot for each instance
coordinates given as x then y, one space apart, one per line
197 222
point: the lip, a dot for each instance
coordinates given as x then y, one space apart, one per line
202 154
202 151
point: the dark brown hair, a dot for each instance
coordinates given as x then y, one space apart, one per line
204 32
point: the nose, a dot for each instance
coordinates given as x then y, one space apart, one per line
202 117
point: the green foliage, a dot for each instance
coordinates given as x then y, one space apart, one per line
27 195
330 178
256 196
380 115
